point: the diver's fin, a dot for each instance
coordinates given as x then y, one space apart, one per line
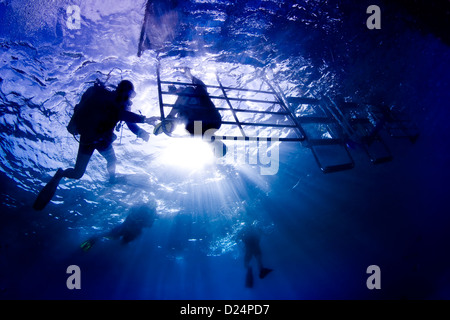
165 126
264 272
249 278
48 191
87 245
158 129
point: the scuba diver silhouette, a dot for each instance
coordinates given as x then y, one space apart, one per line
251 236
195 110
94 119
138 218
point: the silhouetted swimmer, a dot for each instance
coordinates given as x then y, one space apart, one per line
251 236
94 119
139 217
195 110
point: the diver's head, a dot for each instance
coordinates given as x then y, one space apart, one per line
125 90
187 72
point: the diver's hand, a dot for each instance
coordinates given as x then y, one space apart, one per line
143 135
152 120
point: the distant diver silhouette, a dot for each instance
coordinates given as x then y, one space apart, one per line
138 218
94 118
251 237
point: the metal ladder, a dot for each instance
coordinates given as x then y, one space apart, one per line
278 106
325 127
324 134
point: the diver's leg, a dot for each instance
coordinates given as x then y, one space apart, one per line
190 127
111 159
116 232
84 155
249 275
47 193
220 149
258 257
263 272
172 114
247 258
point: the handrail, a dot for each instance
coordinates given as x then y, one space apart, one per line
185 94
231 107
217 87
281 107
286 109
283 113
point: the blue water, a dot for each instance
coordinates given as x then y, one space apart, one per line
320 231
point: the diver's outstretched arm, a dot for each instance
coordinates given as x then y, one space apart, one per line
141 133
152 120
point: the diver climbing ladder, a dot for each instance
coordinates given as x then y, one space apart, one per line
320 124
321 132
275 121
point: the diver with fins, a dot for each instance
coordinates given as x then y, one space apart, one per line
250 237
195 110
94 119
138 218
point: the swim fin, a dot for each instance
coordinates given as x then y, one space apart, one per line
165 126
48 191
87 245
264 272
249 278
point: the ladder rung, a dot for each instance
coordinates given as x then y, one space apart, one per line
339 167
247 138
260 124
281 113
324 142
220 97
360 121
302 100
381 159
306 119
217 87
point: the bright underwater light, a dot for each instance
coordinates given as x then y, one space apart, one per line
187 153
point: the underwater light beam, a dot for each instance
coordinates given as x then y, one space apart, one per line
187 153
